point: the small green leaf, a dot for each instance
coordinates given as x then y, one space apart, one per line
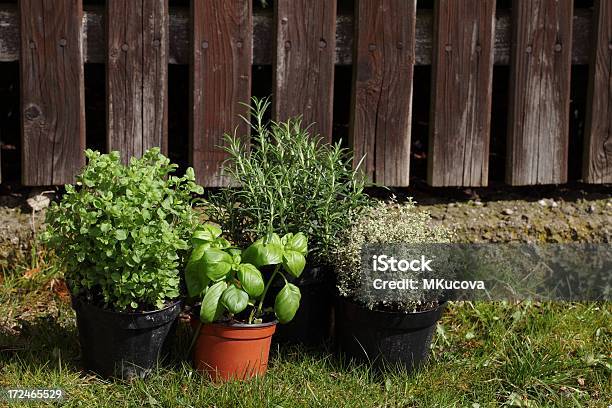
287 303
220 243
236 255
206 233
234 299
294 262
251 280
210 303
272 238
297 242
120 235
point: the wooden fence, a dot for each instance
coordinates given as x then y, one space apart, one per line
303 40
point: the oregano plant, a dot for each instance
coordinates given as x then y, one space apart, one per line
229 283
122 231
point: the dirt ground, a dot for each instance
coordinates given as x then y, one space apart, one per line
489 215
545 220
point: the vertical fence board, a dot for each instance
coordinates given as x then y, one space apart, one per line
137 75
381 108
304 70
538 123
597 163
462 72
222 54
52 91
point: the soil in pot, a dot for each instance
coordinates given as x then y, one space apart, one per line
385 338
122 345
227 351
312 322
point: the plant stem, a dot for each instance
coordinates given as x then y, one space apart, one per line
263 295
196 333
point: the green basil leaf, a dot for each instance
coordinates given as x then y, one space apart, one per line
220 243
251 280
234 299
216 263
296 242
260 254
294 262
195 276
236 256
234 252
287 303
272 238
206 233
210 303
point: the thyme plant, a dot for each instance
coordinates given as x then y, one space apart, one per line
290 181
385 223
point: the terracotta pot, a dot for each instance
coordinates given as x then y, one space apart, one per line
233 351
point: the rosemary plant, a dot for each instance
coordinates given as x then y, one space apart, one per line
289 181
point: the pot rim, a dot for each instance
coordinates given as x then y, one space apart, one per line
148 312
245 325
441 303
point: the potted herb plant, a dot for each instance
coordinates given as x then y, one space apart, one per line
232 338
291 181
394 330
121 234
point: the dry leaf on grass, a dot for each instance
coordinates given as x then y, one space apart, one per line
58 286
30 273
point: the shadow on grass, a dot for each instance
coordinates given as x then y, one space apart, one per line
41 342
45 343
335 361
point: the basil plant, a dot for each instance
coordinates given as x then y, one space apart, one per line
229 281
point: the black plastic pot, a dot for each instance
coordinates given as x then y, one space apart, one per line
385 338
122 345
312 322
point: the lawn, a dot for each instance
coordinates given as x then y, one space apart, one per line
484 354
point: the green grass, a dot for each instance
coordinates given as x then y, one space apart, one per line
484 354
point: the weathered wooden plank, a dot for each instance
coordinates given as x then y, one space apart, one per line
137 75
303 81
263 27
461 93
538 124
220 82
52 91
9 33
382 88
597 162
